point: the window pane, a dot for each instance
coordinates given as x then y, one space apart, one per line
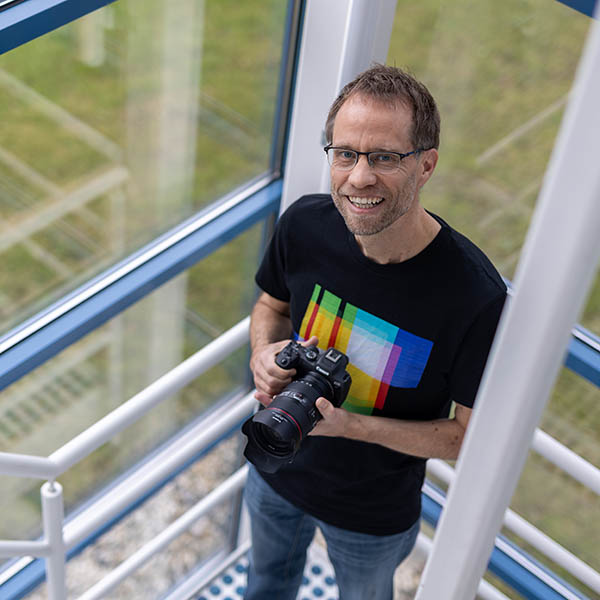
86 381
122 124
501 73
562 507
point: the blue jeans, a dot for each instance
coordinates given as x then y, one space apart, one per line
281 533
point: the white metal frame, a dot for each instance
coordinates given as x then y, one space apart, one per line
525 530
556 269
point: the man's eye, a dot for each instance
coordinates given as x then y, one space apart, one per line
346 155
384 158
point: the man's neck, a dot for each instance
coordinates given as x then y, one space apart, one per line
402 240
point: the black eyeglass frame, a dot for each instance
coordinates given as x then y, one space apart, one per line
401 156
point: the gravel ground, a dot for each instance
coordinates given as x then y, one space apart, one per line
181 556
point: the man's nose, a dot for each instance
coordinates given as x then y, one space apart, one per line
362 175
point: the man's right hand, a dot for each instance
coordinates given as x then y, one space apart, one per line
269 378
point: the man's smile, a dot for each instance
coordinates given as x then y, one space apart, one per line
364 202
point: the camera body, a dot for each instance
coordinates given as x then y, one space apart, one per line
275 433
330 364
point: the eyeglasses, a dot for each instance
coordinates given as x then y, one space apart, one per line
345 159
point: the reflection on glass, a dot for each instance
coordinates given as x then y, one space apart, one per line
122 124
63 397
502 72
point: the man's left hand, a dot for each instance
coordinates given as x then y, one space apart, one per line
335 421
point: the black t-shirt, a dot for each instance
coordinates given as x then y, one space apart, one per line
417 334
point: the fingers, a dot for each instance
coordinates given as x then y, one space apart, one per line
263 398
269 378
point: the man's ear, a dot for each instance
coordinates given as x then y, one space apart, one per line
427 165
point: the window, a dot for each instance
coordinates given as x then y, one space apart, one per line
122 124
501 73
117 128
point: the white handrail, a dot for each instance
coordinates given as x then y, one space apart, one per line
526 531
132 410
20 465
23 465
567 460
173 457
226 489
24 548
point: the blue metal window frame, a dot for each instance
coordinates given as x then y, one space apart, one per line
587 7
32 18
583 357
63 331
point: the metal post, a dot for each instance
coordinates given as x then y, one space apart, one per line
555 271
52 516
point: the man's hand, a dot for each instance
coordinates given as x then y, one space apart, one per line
439 438
269 378
335 421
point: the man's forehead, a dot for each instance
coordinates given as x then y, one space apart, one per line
387 103
396 116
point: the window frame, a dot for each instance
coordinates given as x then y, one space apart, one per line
27 20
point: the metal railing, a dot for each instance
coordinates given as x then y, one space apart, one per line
530 534
59 537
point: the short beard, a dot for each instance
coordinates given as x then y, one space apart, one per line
368 226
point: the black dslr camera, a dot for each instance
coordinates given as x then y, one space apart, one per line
274 433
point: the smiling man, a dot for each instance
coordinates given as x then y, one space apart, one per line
411 302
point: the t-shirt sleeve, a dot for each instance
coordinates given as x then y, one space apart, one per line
472 357
270 276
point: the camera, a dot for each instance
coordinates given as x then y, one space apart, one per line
275 432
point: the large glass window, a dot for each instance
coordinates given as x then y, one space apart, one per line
116 128
501 73
70 392
122 124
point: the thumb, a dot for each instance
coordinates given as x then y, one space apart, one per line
324 407
312 341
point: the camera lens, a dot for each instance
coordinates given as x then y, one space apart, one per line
271 441
274 433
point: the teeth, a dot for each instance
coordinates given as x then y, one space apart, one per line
364 202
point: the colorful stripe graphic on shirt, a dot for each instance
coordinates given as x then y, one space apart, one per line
382 356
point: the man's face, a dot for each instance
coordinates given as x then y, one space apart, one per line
368 201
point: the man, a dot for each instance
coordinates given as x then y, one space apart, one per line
412 303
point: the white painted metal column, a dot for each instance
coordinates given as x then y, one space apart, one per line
555 271
52 516
340 38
